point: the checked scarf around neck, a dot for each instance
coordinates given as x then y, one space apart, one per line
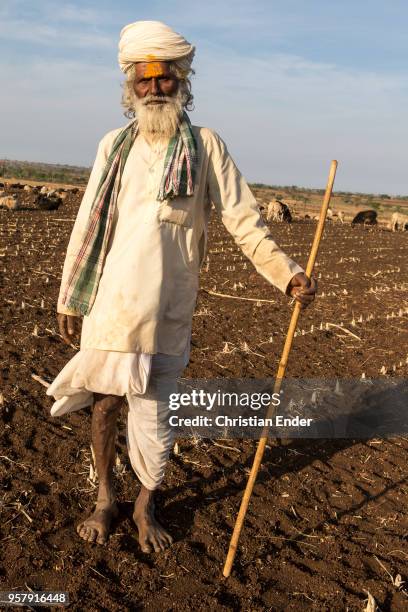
178 180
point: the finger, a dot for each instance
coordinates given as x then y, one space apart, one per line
298 293
60 320
304 299
64 333
307 298
310 290
71 325
303 281
304 303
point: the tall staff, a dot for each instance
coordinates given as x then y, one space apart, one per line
278 381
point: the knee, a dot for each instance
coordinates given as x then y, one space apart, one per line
107 405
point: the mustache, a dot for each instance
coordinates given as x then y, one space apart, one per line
152 99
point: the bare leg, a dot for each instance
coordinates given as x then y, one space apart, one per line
105 413
150 531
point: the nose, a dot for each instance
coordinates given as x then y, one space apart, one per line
154 87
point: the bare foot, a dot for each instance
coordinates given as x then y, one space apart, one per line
151 533
96 527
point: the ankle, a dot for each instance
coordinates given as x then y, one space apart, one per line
106 493
145 499
105 503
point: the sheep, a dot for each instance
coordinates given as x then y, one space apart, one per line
278 211
273 211
340 216
9 202
398 220
45 202
367 217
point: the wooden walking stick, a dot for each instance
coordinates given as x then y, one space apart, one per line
278 381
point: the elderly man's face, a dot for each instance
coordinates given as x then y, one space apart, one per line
154 78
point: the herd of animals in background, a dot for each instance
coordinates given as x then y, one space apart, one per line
47 198
280 212
12 196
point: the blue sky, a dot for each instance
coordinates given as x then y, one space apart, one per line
288 84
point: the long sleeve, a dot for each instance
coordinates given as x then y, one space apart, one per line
83 215
240 214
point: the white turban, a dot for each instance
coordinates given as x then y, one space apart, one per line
149 41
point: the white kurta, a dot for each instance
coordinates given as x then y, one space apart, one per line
147 292
147 276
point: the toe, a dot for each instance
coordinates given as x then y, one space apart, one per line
145 546
83 532
101 539
162 541
156 544
92 535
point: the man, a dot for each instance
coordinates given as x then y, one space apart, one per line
132 267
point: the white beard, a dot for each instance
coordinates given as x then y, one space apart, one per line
159 121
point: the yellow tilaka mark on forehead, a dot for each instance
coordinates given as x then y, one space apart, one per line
153 69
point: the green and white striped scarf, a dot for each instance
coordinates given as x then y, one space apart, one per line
178 179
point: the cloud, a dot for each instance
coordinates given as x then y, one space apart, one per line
76 14
284 120
58 110
52 35
53 25
283 114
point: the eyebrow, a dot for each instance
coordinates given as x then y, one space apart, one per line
161 76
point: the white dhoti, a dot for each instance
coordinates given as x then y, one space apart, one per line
149 435
146 381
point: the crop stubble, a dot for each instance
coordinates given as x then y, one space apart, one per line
323 512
